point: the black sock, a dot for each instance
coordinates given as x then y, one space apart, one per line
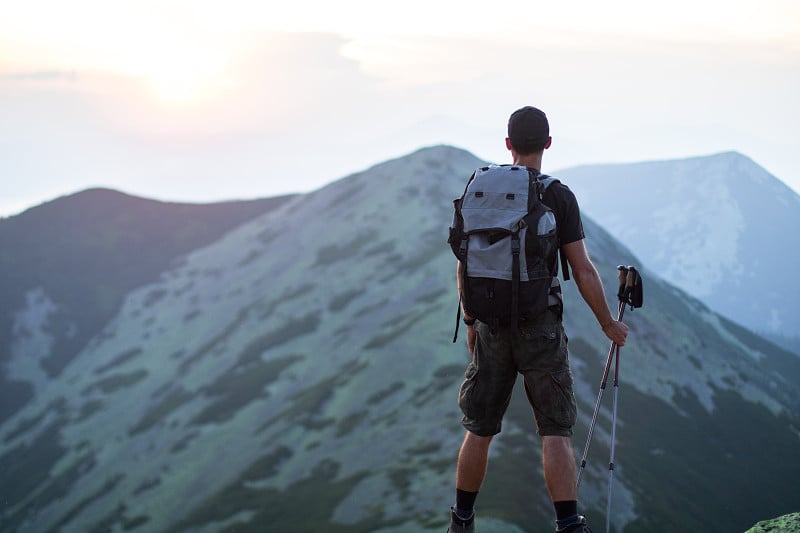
465 503
566 512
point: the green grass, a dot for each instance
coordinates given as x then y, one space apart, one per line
214 342
174 400
28 465
241 385
332 253
339 302
306 506
120 359
117 382
290 330
789 523
73 512
384 393
347 425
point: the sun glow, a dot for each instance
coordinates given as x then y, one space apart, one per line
176 68
179 63
185 77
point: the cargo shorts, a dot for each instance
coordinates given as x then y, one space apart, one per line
538 351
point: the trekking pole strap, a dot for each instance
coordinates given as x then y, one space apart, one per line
630 286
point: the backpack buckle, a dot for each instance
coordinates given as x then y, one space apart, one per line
515 243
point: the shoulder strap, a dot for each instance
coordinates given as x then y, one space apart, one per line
546 182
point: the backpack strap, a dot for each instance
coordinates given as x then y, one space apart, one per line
515 275
564 265
546 181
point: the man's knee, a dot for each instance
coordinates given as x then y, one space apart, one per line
478 440
557 446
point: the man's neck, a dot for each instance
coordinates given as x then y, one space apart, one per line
529 160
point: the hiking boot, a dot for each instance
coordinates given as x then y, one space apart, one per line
459 525
578 527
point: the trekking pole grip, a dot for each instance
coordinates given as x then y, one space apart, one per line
630 279
622 275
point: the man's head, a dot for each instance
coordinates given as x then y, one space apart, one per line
528 131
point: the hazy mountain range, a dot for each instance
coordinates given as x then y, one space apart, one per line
287 366
719 227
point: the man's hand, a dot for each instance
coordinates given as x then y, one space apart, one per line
617 331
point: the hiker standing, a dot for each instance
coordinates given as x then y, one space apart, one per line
521 333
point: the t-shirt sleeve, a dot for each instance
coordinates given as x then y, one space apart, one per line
568 215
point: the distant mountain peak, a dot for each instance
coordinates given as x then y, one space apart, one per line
708 225
436 154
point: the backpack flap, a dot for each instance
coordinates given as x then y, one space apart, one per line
496 199
493 209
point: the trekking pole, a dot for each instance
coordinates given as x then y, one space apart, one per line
631 294
621 311
613 440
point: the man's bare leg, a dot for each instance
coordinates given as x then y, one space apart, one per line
473 460
558 460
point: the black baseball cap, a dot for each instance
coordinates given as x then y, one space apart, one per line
528 125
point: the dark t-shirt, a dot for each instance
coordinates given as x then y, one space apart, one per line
562 201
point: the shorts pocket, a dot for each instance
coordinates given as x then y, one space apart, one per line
468 391
563 408
542 333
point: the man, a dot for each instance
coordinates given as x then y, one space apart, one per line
537 349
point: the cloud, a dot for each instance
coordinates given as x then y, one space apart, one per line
292 117
39 76
291 111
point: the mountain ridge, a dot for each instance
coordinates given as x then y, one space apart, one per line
306 356
86 268
709 224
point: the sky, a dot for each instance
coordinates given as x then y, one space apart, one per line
202 101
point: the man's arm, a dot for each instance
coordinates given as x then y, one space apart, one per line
591 288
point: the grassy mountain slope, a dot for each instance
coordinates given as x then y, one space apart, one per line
80 254
297 374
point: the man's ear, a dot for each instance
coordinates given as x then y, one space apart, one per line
548 143
508 144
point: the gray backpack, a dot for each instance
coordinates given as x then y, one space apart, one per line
507 242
